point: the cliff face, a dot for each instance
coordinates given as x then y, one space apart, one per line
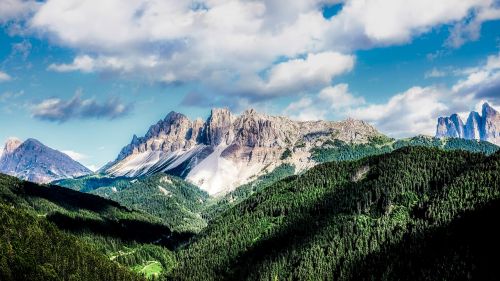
229 150
484 127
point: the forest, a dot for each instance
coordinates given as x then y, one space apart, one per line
373 219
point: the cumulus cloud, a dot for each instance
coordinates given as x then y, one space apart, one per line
16 9
59 110
412 112
483 81
225 46
315 69
416 110
339 98
4 76
335 100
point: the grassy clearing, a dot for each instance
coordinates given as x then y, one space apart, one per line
149 269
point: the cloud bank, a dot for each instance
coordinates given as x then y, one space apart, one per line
242 49
59 110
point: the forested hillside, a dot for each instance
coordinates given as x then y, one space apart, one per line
341 151
406 215
114 234
174 201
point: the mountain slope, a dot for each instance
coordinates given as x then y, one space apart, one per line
33 161
328 223
484 127
176 202
126 237
227 150
34 249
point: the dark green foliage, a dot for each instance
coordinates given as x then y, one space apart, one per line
92 222
176 202
286 154
34 249
341 151
409 215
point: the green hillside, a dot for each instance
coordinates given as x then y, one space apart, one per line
398 216
174 201
101 225
341 151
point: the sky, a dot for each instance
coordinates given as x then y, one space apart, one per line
84 76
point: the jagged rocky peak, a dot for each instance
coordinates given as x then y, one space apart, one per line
11 144
480 127
219 127
472 126
491 124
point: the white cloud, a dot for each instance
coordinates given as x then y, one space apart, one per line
482 81
85 63
226 45
383 22
305 109
316 69
75 155
338 97
469 29
406 114
16 9
416 110
4 76
335 100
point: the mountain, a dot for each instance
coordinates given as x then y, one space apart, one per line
415 213
229 150
33 161
479 127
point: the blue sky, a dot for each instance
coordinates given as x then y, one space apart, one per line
86 87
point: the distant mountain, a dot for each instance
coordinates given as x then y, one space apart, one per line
31 160
228 150
479 127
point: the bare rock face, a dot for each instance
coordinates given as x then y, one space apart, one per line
484 127
227 150
473 126
491 124
451 127
31 160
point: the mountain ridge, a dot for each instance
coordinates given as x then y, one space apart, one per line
227 150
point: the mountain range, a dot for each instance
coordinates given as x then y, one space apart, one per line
229 150
33 161
484 126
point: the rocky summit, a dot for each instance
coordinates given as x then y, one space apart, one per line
484 127
33 161
228 150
